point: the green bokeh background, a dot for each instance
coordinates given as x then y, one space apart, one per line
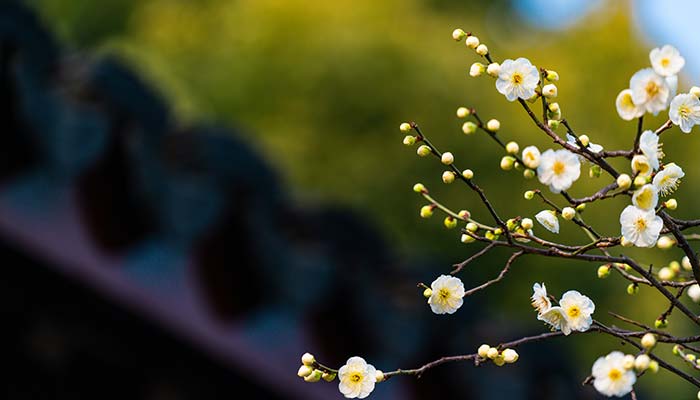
321 87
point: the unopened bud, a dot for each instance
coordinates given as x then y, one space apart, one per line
483 350
405 127
568 213
671 204
466 238
507 163
447 158
648 340
467 174
603 271
476 69
482 50
462 112
526 223
419 188
458 34
472 42
304 371
512 148
695 91
450 223
493 125
409 140
549 91
661 323
308 359
423 150
551 76
426 211
528 174
632 289
315 376
553 124
624 181
448 176
529 195
493 69
469 127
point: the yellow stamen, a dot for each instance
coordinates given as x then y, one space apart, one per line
614 374
558 167
573 311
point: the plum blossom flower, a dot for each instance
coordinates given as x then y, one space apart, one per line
640 227
649 91
577 309
447 294
611 378
666 61
668 179
531 157
685 111
556 318
646 197
558 169
517 79
357 378
540 300
549 220
626 108
650 147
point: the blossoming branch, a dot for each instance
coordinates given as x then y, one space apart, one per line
645 222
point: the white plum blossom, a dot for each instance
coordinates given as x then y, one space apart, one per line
447 294
540 300
666 61
556 318
650 147
357 378
685 111
626 107
694 292
577 310
611 378
595 148
517 79
531 157
641 166
640 227
649 91
549 220
668 179
558 169
646 197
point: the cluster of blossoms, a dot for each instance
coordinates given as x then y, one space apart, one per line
642 223
572 314
357 377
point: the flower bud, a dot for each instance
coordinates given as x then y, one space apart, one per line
661 323
464 214
685 263
492 353
676 350
489 235
510 356
654 366
423 150
405 127
483 350
641 363
482 50
528 174
308 359
447 158
427 293
527 224
624 181
379 376
691 357
466 238
469 127
472 42
458 34
553 124
551 76
694 292
555 115
595 171
409 140
450 223
328 377
695 91
426 211
665 242
507 163
304 371
499 361
628 361
462 112
581 207
493 69
671 204
666 274
603 271
639 181
472 227
476 69
512 148
493 125
467 174
529 195
314 377
675 266
568 213
554 107
419 188
648 340
549 90
448 176
632 289
498 231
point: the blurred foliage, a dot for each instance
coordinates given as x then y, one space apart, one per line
323 86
